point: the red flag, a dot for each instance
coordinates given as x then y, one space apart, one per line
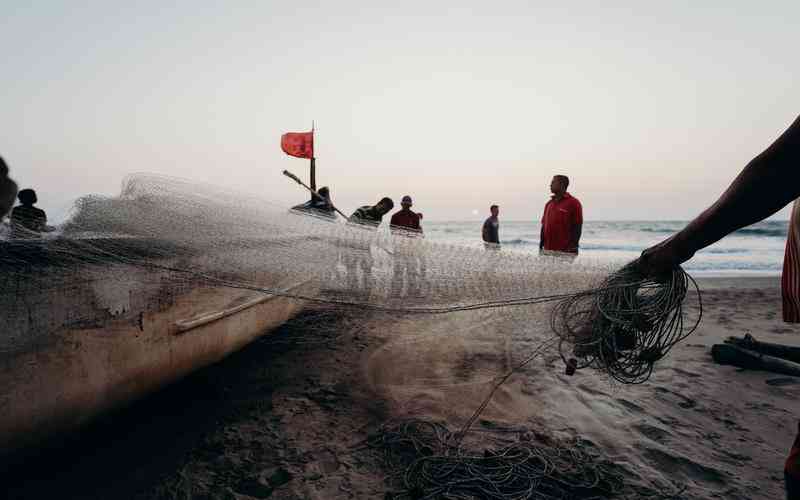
299 144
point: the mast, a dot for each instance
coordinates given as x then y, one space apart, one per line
313 163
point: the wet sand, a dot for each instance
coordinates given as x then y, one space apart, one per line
284 417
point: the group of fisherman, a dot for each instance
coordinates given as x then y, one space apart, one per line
561 223
368 215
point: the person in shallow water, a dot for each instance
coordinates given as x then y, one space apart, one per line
405 219
491 229
28 221
360 260
768 183
562 220
408 260
8 190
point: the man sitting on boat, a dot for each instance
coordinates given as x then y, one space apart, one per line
320 204
28 221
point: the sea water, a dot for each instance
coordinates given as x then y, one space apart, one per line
755 250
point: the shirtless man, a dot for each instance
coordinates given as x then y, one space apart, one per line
768 183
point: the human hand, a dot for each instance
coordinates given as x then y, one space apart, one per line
659 260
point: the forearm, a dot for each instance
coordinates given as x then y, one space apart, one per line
576 236
767 184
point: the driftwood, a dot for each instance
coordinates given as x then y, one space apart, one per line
749 342
726 354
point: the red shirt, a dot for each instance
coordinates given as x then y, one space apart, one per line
792 466
406 219
558 222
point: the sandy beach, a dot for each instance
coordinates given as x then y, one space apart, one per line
287 417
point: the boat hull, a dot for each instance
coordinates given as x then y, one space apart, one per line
81 372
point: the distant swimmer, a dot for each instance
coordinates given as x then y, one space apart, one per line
26 220
372 215
405 219
562 220
491 229
8 190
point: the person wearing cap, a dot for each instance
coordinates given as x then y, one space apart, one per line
404 219
8 190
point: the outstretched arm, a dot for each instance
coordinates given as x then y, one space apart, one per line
768 183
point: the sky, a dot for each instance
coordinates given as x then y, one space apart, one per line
651 108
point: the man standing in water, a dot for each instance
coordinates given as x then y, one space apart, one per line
768 183
491 229
405 219
562 220
408 258
8 190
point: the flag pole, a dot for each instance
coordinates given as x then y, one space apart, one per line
313 166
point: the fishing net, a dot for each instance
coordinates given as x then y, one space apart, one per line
166 250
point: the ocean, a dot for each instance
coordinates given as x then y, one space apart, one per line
756 250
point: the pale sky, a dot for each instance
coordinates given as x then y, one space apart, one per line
651 108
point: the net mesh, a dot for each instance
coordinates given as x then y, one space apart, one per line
168 244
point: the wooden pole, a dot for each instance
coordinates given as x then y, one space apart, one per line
313 162
313 176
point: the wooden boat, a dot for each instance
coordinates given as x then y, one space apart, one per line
145 329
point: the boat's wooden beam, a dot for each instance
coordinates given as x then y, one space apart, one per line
184 325
726 354
792 353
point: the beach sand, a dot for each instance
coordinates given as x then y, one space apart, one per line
286 418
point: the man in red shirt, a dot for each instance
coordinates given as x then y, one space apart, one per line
562 220
409 257
405 219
